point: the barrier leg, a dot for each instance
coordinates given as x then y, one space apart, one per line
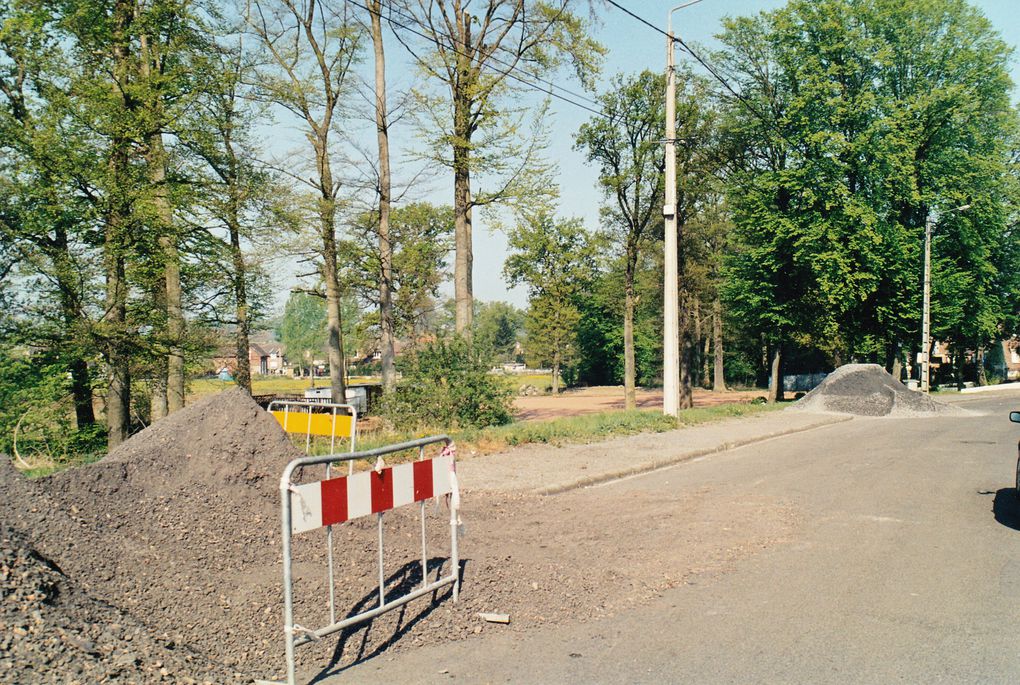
454 553
382 578
288 590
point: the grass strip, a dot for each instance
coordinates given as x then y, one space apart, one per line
572 429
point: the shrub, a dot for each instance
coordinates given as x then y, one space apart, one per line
446 384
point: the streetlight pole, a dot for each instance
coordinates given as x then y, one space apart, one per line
929 226
671 286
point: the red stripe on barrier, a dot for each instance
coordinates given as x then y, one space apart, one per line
334 501
382 490
422 480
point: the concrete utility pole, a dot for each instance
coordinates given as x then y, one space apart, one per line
671 292
929 225
671 286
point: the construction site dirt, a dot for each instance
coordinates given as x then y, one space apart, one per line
176 536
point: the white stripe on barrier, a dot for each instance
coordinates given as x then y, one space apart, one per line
352 495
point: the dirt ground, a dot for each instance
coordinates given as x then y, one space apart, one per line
607 398
178 531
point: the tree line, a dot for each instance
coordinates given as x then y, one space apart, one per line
825 136
141 207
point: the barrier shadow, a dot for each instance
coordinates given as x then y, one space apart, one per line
1006 508
406 579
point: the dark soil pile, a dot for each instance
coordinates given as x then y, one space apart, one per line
868 390
52 632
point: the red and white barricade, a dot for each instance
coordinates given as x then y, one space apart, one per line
333 501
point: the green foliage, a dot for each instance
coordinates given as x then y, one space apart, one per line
861 120
555 259
36 411
421 239
446 385
303 329
498 329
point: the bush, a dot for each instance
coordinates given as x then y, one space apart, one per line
446 384
35 406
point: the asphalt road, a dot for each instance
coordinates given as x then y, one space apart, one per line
905 568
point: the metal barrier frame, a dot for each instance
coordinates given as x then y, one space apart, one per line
290 628
309 405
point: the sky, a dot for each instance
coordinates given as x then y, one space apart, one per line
631 47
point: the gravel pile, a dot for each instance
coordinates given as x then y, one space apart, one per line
52 632
868 390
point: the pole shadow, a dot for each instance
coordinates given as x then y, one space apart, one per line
403 581
1006 508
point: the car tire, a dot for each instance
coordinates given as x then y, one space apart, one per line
1018 478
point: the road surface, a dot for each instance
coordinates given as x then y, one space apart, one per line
905 567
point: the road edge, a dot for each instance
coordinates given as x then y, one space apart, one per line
647 467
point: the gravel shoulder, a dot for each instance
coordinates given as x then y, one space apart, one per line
544 469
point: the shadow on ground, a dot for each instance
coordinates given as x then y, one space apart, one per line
1006 508
406 579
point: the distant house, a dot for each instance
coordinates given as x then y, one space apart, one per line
1011 358
265 357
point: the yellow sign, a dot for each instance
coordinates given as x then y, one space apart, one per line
305 423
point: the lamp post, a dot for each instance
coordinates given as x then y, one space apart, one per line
929 225
671 287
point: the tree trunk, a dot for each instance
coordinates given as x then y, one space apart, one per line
629 371
118 359
156 165
157 391
463 259
719 376
175 325
696 360
982 377
387 333
897 364
463 291
776 376
706 362
686 390
327 226
157 383
118 392
81 383
556 374
241 338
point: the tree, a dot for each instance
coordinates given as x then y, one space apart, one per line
625 146
554 259
237 199
312 46
387 326
303 330
857 120
475 129
420 237
498 327
42 222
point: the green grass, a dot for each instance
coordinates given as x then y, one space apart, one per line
264 385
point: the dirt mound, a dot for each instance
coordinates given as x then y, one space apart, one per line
223 439
173 525
868 390
52 632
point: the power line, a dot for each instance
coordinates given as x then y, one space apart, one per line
529 74
638 17
509 72
707 66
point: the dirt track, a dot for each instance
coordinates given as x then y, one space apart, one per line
607 398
